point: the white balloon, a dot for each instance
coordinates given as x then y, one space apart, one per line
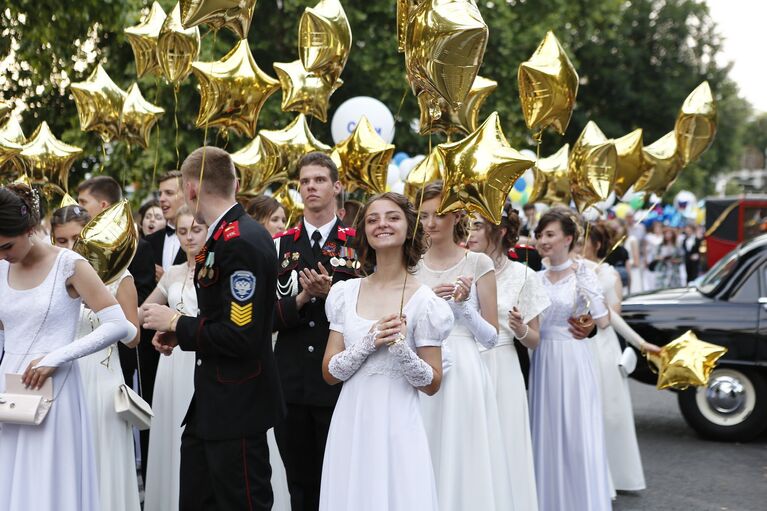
392 175
348 114
407 165
529 154
398 187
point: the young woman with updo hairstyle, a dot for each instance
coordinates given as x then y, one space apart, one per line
462 421
268 212
51 465
151 218
521 298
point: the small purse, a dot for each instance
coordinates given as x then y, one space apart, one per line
628 362
21 405
131 408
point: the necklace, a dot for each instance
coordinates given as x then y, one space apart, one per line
502 266
439 273
561 267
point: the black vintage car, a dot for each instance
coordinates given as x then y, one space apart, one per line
727 306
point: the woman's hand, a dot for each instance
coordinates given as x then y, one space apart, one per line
462 289
34 377
515 322
389 329
649 347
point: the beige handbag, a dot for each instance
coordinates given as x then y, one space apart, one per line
132 408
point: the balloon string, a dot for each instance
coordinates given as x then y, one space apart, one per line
202 169
157 144
125 167
175 121
399 110
720 218
538 137
624 237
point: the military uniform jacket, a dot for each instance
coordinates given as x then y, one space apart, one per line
303 334
236 386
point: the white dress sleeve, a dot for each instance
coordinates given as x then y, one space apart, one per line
483 264
589 283
335 306
534 299
608 277
434 324
164 284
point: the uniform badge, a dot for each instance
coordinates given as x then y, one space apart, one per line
241 315
242 285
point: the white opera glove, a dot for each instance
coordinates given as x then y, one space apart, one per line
417 372
625 331
343 365
113 327
467 311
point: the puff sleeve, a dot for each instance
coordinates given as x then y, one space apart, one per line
335 306
533 298
588 283
434 324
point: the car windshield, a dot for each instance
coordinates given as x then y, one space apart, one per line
719 272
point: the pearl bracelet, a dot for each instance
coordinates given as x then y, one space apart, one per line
527 331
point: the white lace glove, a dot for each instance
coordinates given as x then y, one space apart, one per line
113 327
343 365
417 372
467 311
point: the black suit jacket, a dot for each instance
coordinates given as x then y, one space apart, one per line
236 387
303 334
157 241
142 269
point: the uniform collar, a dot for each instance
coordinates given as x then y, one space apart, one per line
228 215
324 230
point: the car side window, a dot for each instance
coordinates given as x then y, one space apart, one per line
748 291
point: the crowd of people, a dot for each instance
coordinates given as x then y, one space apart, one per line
376 356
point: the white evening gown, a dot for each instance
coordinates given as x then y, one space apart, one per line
377 454
462 421
101 376
565 407
620 433
521 287
50 467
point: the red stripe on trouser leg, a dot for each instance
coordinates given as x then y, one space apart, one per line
245 473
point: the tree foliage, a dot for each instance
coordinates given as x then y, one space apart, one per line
637 59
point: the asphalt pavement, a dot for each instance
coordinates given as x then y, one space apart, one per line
687 473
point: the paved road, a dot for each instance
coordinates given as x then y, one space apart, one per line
686 473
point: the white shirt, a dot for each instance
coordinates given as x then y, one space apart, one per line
212 227
324 230
170 247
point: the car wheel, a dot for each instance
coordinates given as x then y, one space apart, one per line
732 407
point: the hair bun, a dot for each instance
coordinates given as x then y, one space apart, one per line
30 202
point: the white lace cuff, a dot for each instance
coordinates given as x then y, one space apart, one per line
417 372
343 365
484 332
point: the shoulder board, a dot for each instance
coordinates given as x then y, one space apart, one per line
344 232
285 233
232 231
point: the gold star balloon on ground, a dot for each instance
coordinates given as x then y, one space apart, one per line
259 165
290 144
12 141
591 167
363 158
137 118
696 123
109 241
304 91
233 90
47 158
551 184
686 361
631 161
99 102
548 85
324 39
143 41
480 170
444 48
177 47
664 165
451 121
427 171
235 15
290 199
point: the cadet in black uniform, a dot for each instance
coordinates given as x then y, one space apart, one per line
237 397
311 256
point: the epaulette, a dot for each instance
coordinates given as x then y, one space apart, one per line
292 231
344 232
232 231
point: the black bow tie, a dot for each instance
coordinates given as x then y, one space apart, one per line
169 231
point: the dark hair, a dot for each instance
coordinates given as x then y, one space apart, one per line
218 177
415 241
103 188
434 190
319 159
261 207
167 176
152 203
510 222
19 210
567 219
68 214
673 236
352 210
601 237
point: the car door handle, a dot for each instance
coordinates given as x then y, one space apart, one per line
763 300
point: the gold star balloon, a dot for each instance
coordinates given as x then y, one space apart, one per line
631 161
109 241
99 102
591 167
304 91
12 140
67 200
235 15
290 199
548 85
177 47
143 40
404 8
696 123
664 165
233 90
480 170
462 120
444 48
6 107
290 144
551 184
137 118
47 158
686 361
363 158
258 164
324 39
427 171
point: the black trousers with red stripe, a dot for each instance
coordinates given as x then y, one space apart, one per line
225 475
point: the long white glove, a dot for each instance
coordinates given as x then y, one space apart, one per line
625 331
113 327
467 312
344 364
417 372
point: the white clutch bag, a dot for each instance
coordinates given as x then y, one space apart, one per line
20 405
628 362
131 408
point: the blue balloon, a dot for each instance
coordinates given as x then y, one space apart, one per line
520 185
400 157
